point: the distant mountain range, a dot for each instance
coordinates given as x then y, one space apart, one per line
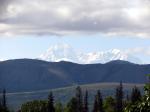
64 52
29 75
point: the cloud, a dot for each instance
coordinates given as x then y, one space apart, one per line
59 17
139 50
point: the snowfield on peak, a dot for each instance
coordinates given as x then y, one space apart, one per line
64 52
1 59
61 52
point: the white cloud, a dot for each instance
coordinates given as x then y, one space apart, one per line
139 50
58 17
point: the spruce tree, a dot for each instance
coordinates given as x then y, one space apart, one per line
51 103
72 106
127 97
109 104
3 106
59 107
4 99
85 106
98 103
135 95
119 98
95 107
0 104
79 99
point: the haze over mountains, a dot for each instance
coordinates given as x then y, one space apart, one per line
64 52
30 75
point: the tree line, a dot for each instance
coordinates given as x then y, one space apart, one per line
134 102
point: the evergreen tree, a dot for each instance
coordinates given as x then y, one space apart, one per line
98 103
51 103
3 106
109 104
85 106
79 99
58 107
0 104
95 107
143 105
34 106
0 108
119 98
4 99
72 105
127 98
135 95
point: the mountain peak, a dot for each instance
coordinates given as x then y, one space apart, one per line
119 62
64 52
1 59
115 51
59 52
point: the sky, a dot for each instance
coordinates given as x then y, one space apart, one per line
29 28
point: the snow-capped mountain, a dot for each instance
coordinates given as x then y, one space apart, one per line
1 59
106 56
60 52
64 52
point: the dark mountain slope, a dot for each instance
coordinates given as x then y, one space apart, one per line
28 75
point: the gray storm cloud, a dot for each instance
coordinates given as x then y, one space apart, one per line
59 17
